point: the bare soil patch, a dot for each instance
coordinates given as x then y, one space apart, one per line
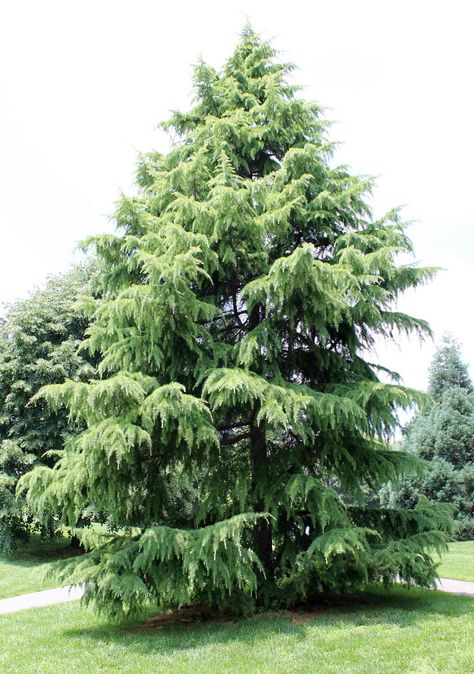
196 614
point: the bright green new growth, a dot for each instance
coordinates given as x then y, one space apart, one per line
238 426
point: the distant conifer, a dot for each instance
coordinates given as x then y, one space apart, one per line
443 434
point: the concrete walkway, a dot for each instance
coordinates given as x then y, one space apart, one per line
43 598
456 586
75 592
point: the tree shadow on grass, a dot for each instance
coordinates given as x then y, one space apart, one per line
37 552
180 638
29 568
397 607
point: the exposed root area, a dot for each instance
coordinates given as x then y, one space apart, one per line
187 615
201 613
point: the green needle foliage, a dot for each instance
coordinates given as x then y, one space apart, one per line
243 292
443 435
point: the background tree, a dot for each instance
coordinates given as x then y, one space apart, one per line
38 346
443 434
247 282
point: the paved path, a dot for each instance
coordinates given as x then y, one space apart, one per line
456 586
74 592
44 598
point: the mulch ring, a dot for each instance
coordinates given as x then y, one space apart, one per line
187 615
196 614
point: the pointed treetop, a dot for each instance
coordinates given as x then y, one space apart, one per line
447 370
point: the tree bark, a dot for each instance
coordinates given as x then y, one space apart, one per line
75 544
262 531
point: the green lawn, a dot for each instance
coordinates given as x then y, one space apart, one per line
459 562
24 572
396 631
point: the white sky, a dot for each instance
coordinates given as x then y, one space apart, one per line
84 84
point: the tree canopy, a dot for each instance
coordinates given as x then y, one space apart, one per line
243 291
38 346
443 435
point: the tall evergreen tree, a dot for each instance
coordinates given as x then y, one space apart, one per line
247 283
443 435
38 346
447 371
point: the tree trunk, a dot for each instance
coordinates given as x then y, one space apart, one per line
75 545
262 531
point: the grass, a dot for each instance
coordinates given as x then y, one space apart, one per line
25 570
459 562
395 631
